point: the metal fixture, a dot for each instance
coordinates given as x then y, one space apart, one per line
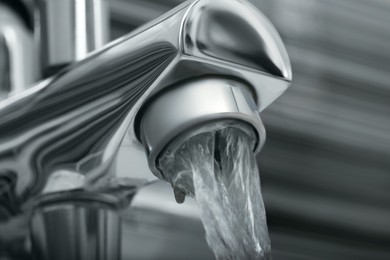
204 61
196 103
79 119
76 225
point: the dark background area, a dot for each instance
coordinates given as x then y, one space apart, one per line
325 167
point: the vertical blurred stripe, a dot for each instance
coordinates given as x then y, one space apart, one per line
4 69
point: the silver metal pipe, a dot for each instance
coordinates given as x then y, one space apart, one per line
76 225
68 30
84 120
18 68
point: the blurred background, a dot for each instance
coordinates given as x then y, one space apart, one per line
325 168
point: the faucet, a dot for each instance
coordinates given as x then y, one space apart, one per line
204 61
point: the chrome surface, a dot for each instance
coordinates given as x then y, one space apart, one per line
18 67
68 30
325 166
82 120
76 225
217 30
196 103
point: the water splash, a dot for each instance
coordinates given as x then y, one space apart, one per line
219 169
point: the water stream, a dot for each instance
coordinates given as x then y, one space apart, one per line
226 186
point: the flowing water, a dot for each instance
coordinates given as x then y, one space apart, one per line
226 186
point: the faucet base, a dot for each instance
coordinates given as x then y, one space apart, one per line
76 225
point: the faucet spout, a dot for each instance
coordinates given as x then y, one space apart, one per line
88 118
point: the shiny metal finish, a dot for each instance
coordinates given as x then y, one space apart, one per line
235 33
68 30
17 57
76 225
83 120
197 103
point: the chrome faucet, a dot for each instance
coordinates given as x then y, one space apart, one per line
204 61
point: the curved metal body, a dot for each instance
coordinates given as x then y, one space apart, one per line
199 105
83 120
76 225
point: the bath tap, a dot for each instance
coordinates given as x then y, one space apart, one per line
111 113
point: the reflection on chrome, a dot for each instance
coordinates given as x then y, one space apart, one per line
83 113
86 120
